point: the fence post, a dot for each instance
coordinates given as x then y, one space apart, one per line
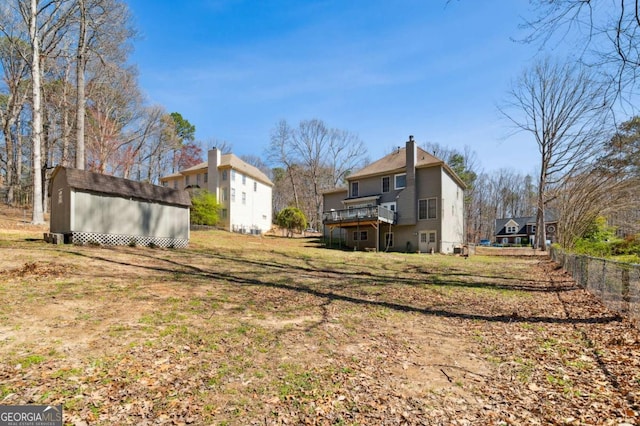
626 281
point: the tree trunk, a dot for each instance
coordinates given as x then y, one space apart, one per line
36 123
80 87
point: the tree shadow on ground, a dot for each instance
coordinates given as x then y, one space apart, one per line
266 278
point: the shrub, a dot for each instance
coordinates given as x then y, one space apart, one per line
291 218
204 208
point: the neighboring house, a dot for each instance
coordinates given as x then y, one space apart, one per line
406 201
89 207
522 230
243 191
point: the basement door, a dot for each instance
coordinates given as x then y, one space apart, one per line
428 242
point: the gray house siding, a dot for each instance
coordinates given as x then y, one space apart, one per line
428 180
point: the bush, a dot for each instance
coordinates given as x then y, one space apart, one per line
291 218
204 208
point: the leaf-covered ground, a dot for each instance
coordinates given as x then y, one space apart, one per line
243 330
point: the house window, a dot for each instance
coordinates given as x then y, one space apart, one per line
533 229
400 181
233 175
432 208
244 198
206 177
224 175
354 189
165 183
224 213
175 184
512 229
385 184
244 180
432 237
255 186
233 195
388 239
225 194
186 180
59 196
360 236
427 208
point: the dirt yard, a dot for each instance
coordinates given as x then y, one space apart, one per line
242 330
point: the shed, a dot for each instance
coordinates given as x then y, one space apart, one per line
88 207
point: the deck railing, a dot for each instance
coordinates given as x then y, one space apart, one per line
380 213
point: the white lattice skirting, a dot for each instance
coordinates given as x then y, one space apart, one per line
126 240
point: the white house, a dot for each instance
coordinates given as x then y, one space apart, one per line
243 191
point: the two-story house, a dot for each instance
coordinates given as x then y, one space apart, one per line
243 192
522 230
407 201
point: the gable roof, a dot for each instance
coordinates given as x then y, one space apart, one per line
396 162
84 180
227 161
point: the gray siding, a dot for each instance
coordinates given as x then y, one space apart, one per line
60 222
102 214
333 200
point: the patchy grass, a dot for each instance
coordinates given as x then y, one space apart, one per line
239 330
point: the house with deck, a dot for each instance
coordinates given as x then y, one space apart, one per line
242 190
407 201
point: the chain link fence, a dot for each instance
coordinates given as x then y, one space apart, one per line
616 284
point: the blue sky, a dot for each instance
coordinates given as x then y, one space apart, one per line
381 69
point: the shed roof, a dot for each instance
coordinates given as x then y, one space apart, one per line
104 184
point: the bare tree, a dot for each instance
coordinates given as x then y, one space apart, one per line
589 193
563 108
103 31
15 79
608 33
280 153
